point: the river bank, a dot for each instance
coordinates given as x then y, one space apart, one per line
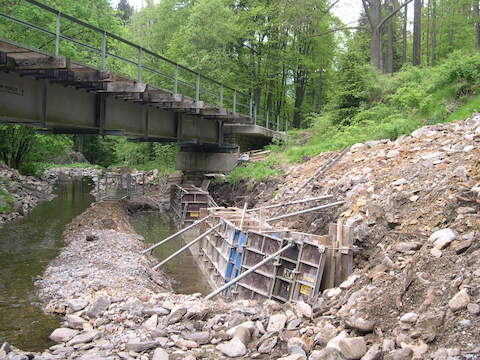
19 194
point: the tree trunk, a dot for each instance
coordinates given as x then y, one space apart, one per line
434 32
404 37
476 13
389 67
299 95
417 33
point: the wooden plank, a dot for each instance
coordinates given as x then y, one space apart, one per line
6 61
338 260
41 63
125 87
162 97
349 255
329 272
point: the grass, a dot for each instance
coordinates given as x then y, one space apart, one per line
466 110
7 209
256 171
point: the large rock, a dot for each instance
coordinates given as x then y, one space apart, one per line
267 346
83 338
75 322
233 348
442 238
326 354
360 324
353 348
459 301
374 353
138 346
98 307
327 333
200 337
151 323
302 309
62 334
277 322
77 304
160 354
410 318
176 316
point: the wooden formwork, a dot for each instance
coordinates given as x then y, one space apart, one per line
312 264
187 203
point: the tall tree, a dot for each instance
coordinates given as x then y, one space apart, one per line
373 10
125 9
476 12
417 33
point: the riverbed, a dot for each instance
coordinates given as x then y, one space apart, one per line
27 245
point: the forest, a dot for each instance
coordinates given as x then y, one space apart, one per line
330 84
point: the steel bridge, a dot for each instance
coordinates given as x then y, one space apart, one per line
54 79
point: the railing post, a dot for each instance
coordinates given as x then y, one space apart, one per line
221 95
139 65
278 122
175 86
103 60
57 35
266 120
197 88
255 113
234 101
251 105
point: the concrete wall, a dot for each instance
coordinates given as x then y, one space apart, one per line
206 161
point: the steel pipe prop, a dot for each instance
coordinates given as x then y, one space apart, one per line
178 252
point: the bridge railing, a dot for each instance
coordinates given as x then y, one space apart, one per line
54 32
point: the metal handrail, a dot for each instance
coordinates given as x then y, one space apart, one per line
232 100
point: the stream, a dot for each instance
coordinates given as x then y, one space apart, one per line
188 278
27 245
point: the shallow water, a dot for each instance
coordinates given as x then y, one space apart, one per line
188 278
27 245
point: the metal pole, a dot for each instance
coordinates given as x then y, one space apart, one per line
103 60
248 272
251 105
57 35
306 211
175 86
139 65
266 121
234 101
197 88
174 235
292 202
255 113
278 122
186 246
221 95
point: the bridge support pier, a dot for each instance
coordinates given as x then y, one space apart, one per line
209 162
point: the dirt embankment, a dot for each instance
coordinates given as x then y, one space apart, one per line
414 206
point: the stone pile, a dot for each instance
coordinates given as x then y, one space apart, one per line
19 194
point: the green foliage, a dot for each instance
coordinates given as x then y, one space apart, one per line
356 85
257 171
9 200
412 98
20 146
